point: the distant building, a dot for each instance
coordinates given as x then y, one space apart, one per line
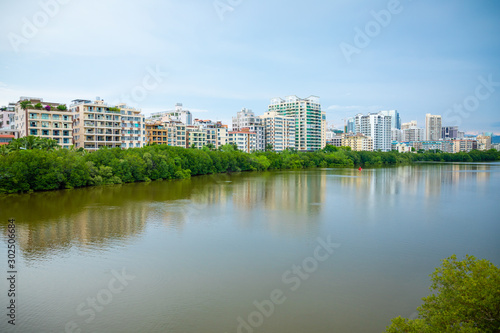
7 116
5 139
178 114
308 119
279 130
432 127
196 137
408 125
44 120
395 118
449 132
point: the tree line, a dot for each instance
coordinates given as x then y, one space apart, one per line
33 164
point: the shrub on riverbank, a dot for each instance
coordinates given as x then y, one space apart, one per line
46 169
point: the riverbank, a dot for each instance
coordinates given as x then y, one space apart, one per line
43 170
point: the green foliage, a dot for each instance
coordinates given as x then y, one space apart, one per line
465 298
33 164
62 107
38 106
114 109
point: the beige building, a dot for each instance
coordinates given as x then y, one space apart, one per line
464 145
358 142
279 130
44 120
432 127
96 124
483 142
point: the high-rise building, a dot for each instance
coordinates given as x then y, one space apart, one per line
432 127
395 118
378 127
308 119
35 117
96 124
279 130
350 127
178 114
449 132
324 126
412 123
196 137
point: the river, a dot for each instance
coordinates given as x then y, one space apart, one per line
323 250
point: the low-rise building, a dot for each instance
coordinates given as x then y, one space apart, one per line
35 117
483 142
464 145
196 137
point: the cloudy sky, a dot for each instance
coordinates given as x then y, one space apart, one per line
216 57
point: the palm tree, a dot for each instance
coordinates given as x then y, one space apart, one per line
29 142
48 144
4 150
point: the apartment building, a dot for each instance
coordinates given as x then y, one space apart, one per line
35 117
133 127
96 124
464 145
308 119
7 116
449 132
196 137
244 139
247 119
395 118
432 127
171 134
216 132
377 126
357 142
413 133
279 130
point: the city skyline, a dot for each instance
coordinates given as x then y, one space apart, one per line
218 58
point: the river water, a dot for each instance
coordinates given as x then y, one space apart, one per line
323 250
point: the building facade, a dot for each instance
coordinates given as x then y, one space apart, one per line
449 132
308 119
44 120
483 142
171 134
395 118
357 142
244 139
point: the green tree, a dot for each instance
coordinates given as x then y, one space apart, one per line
269 147
38 106
62 107
466 298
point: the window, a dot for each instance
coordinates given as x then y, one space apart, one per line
66 133
56 133
65 140
45 132
45 116
33 132
55 116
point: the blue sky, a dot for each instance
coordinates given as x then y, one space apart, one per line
217 57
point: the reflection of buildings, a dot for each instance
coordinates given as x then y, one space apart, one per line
92 227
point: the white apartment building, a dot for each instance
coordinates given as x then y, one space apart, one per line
378 127
247 119
432 127
133 127
45 120
308 120
395 118
279 130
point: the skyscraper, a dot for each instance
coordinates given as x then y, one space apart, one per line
378 127
432 127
